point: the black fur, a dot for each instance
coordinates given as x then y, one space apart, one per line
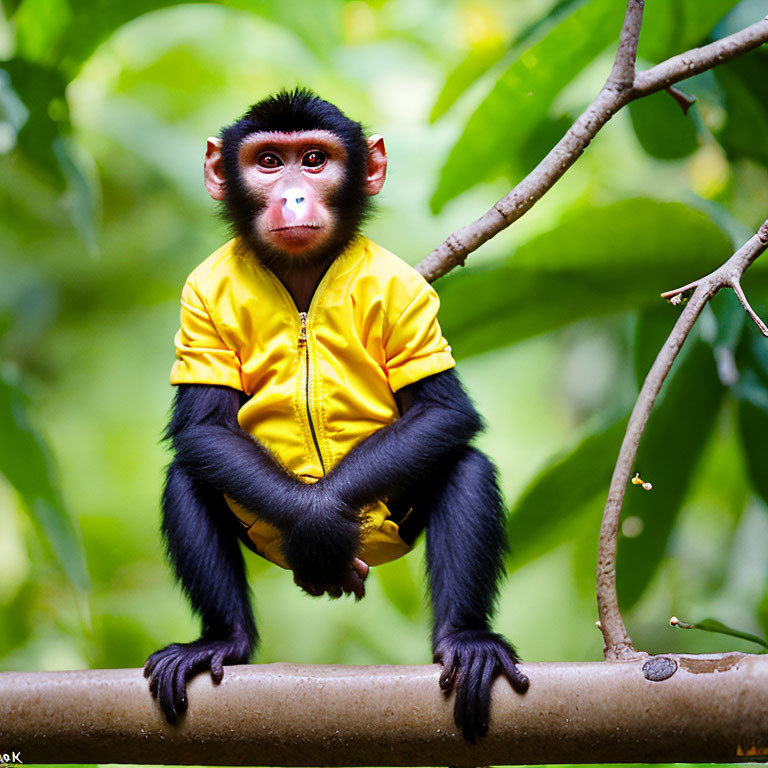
287 111
201 541
420 462
465 549
421 465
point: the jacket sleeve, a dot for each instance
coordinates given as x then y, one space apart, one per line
415 346
202 357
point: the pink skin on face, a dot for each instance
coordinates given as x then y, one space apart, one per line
281 169
295 173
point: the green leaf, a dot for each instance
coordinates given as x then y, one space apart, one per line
66 33
522 98
9 6
555 502
41 90
604 260
713 625
745 85
41 28
670 449
762 614
26 463
675 26
730 318
652 328
753 425
81 195
661 127
487 54
476 63
751 393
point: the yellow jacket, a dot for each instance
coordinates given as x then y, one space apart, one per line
319 382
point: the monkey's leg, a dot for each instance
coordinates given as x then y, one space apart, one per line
204 550
466 542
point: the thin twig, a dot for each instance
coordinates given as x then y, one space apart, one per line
737 289
617 642
622 75
617 92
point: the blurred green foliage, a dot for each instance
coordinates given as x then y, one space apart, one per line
104 111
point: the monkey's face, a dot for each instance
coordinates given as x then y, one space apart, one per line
292 180
295 200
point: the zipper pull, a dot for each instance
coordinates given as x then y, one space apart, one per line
303 331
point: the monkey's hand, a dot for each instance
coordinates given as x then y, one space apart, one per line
169 668
472 659
322 544
353 585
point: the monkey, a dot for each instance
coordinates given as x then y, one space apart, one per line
317 417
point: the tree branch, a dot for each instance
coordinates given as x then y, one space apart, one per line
622 75
617 642
699 60
668 709
618 91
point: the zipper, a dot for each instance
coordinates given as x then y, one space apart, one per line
304 342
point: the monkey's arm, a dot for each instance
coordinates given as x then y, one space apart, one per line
201 541
438 420
321 532
466 543
454 494
212 448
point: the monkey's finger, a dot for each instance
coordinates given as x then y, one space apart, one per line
450 670
519 681
358 586
153 686
180 687
464 705
217 666
151 663
354 585
334 591
158 671
483 698
158 657
361 567
165 693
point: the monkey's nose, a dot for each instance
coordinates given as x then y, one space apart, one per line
294 204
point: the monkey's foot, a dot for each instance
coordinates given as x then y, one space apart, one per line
169 668
472 659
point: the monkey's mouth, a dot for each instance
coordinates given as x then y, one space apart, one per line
297 238
298 228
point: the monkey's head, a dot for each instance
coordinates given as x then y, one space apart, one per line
295 177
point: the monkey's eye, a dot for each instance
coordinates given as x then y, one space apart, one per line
269 160
314 159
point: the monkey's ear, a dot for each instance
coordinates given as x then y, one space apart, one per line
214 177
377 165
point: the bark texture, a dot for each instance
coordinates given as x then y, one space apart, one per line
661 709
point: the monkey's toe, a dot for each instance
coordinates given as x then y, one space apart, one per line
169 669
472 660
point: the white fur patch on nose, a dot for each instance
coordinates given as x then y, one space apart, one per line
294 204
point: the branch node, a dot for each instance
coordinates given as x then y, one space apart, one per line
458 252
685 100
762 233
